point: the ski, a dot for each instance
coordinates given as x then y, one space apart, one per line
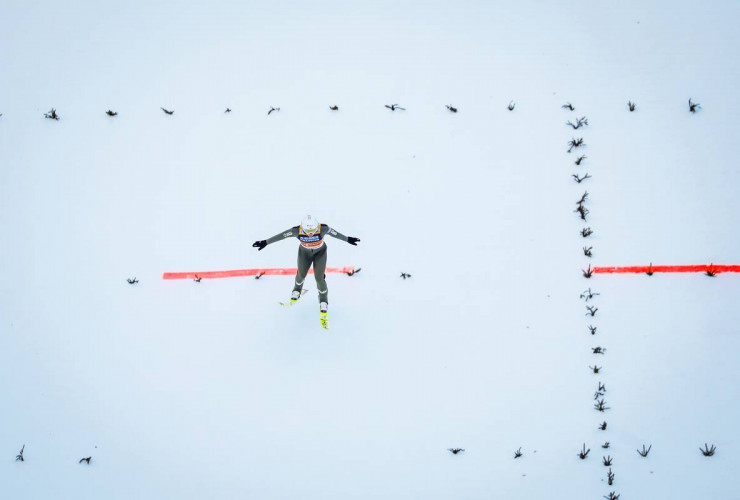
291 301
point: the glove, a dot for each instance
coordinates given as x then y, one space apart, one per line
352 240
259 244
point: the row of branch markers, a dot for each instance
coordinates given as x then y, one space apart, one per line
53 114
576 145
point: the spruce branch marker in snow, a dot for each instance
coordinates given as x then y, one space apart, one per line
587 272
586 232
592 329
707 451
644 452
588 295
111 113
52 115
132 281
584 452
693 106
610 474
607 460
405 275
228 110
568 106
711 272
259 275
272 109
587 251
353 271
649 272
451 108
598 350
583 199
394 107
167 111
580 179
334 107
455 451
602 425
580 122
600 405
575 143
86 459
595 369
631 105
582 211
591 310
518 453
606 447
197 278
580 159
19 457
612 496
511 106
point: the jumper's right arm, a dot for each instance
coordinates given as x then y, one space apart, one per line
288 233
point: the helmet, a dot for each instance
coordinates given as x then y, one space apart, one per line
309 224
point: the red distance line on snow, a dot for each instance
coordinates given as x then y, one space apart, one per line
699 268
287 271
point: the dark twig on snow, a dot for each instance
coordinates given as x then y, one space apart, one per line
588 295
575 143
602 387
580 122
607 460
631 105
167 111
644 453
582 212
132 281
580 179
111 113
353 271
583 199
587 251
405 275
602 425
707 451
610 475
598 350
19 457
693 106
580 159
518 453
334 108
451 108
568 106
595 369
612 496
86 459
511 106
52 115
586 232
272 109
584 452
394 107
592 329
455 451
600 405
591 310
587 272
605 445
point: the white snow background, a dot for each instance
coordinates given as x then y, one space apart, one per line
194 390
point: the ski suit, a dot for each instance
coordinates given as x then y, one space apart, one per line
311 251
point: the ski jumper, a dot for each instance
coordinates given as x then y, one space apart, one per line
311 251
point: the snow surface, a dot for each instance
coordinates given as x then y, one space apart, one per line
210 390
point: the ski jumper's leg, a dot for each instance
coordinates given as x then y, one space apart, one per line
304 263
319 270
